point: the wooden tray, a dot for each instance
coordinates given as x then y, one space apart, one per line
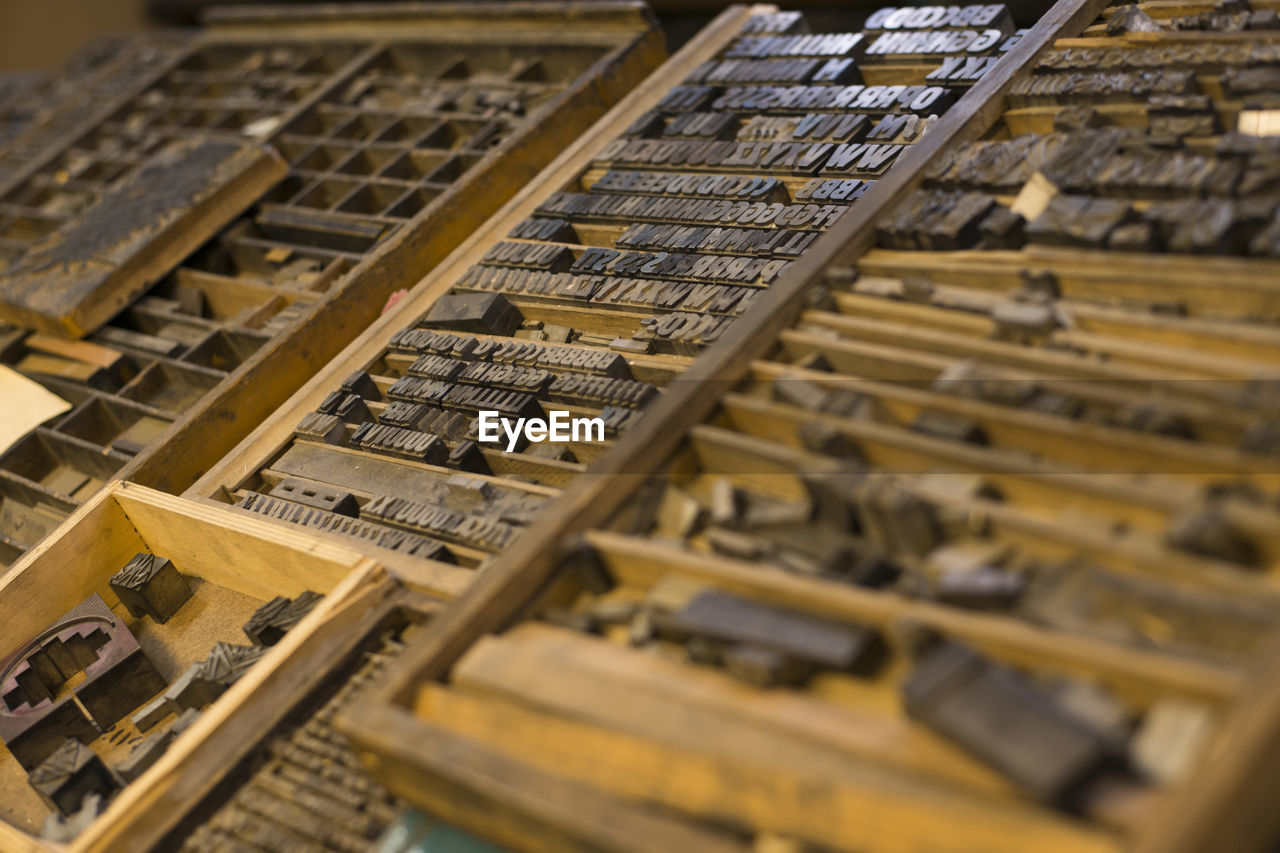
609 331
238 563
172 382
1100 504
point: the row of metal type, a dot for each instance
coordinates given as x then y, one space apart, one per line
184 258
934 505
970 544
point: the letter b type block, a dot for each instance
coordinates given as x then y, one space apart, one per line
150 586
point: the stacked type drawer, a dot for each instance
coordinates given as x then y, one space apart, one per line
363 145
972 546
596 290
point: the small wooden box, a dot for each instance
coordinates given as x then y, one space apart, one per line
233 563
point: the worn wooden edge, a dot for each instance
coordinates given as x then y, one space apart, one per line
248 395
518 573
448 19
31 135
153 261
136 500
265 441
37 598
431 577
96 117
234 726
460 778
1228 802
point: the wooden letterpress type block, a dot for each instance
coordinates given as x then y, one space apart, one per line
727 503
272 620
152 713
1023 322
1134 237
1002 229
984 587
895 519
361 384
317 495
833 493
331 402
1006 720
1172 736
487 313
467 456
1207 531
817 642
1262 437
949 426
191 692
970 380
800 393
1146 416
317 426
70 774
764 667
547 450
1072 220
150 586
145 754
959 227
825 439
1131 19
227 662
353 408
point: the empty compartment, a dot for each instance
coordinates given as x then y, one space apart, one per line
123 428
28 515
358 127
286 190
407 129
63 465
413 201
327 194
373 198
368 161
169 386
419 59
325 158
224 350
453 168
319 122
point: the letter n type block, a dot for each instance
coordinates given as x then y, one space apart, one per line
150 586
